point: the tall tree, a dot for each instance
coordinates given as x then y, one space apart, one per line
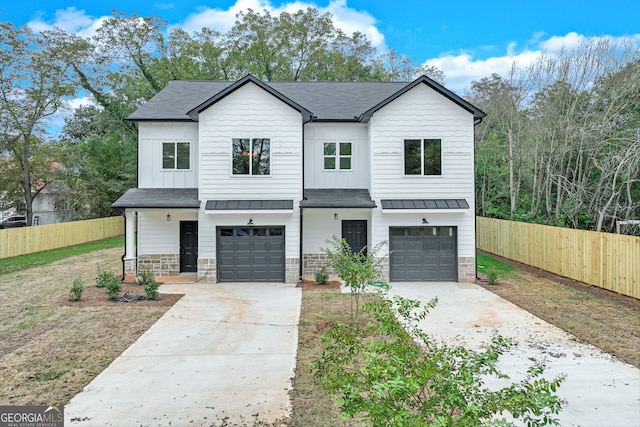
32 87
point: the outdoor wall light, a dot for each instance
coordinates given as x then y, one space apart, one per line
335 216
250 221
168 216
424 221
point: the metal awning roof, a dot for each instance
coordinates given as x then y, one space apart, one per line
421 204
221 206
337 198
174 198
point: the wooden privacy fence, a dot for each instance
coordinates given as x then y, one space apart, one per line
609 261
26 240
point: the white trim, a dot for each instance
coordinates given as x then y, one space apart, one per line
422 174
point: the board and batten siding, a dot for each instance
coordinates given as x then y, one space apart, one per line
151 135
418 114
315 135
250 112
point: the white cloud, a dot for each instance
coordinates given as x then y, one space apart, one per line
461 69
347 19
70 20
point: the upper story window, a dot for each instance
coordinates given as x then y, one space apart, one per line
423 157
337 156
251 156
176 155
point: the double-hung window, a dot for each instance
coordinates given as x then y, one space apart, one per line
251 156
176 155
337 156
423 157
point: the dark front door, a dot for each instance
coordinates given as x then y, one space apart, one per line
355 233
188 246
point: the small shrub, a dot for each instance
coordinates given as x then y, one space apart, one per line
322 277
104 277
492 275
76 290
113 288
147 279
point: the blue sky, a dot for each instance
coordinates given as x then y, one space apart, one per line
468 40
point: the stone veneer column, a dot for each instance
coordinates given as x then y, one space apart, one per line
466 269
207 269
160 264
292 270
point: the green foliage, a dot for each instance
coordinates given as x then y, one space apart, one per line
76 290
380 372
492 275
106 279
148 280
356 269
321 276
113 288
36 259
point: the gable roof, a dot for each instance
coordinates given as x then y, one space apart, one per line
324 101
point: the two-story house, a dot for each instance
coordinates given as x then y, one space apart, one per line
247 180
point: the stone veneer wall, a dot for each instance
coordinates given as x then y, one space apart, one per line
160 265
207 269
311 263
466 269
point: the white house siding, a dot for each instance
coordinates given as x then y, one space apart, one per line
319 226
250 112
159 239
424 113
151 135
315 135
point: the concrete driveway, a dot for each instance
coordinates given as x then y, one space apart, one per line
225 353
599 389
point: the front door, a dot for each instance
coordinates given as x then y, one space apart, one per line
355 233
188 246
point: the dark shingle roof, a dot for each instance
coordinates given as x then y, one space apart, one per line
158 198
332 101
337 198
424 204
248 205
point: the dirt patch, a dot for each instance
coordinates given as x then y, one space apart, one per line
50 347
312 285
600 317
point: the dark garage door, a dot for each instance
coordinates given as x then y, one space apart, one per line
250 254
422 254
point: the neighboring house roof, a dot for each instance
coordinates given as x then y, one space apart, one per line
158 198
424 204
248 205
337 198
325 101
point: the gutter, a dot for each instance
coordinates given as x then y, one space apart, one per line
301 234
476 122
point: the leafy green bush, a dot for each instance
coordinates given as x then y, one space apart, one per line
105 277
492 275
380 372
147 279
322 277
113 288
76 290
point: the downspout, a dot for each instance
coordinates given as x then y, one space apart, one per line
475 198
300 266
124 217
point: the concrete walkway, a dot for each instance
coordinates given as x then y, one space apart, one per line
599 389
223 355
